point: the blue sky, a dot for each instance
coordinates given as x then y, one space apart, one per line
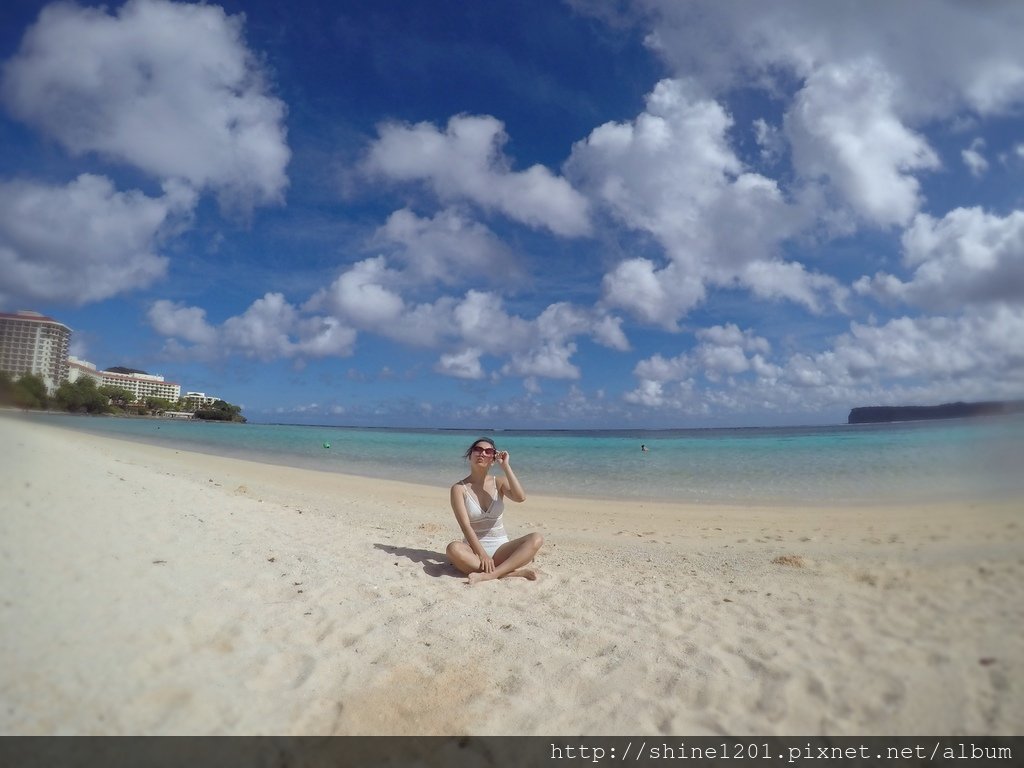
524 214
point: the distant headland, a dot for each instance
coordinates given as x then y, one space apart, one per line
883 413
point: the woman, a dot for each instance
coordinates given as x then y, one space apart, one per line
478 501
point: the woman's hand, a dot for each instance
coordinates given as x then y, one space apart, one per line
502 458
486 563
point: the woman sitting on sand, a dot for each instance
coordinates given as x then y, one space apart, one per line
478 501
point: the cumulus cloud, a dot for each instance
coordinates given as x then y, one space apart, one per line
723 351
844 127
466 163
973 159
948 59
84 242
769 139
974 355
461 365
562 320
270 328
369 297
169 88
361 295
550 360
860 112
672 173
968 256
862 98
448 248
182 322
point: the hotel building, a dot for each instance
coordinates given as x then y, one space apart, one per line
142 385
36 344
197 400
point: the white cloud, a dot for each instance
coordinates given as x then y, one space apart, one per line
791 280
323 337
660 369
672 173
369 297
561 321
658 296
169 88
844 126
461 365
550 359
466 163
968 256
361 296
730 335
863 98
679 396
448 248
84 242
947 59
262 330
770 139
976 355
270 328
181 322
648 393
723 351
973 159
482 321
608 332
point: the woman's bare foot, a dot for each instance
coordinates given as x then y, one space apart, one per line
526 573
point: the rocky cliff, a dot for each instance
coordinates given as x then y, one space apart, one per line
884 413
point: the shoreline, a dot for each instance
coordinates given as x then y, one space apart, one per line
962 485
161 591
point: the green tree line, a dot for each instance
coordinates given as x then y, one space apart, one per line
85 396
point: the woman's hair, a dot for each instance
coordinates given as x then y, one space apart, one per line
478 440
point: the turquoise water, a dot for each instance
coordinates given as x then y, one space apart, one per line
956 459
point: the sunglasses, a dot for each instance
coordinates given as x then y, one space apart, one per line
484 451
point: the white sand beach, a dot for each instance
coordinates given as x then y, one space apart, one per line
153 591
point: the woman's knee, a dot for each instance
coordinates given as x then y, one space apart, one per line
535 540
455 551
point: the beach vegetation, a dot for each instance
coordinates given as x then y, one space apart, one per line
87 396
221 411
118 396
28 391
159 405
82 396
6 388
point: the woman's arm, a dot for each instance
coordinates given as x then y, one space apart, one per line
513 488
462 517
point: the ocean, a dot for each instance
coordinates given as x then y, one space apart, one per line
960 459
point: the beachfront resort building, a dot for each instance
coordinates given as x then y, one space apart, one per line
141 384
36 344
78 369
197 400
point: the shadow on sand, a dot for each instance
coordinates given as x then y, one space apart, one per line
434 563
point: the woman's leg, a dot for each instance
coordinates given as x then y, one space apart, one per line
510 558
462 556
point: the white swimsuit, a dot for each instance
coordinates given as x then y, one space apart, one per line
487 525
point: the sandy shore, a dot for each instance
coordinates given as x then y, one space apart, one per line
152 591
